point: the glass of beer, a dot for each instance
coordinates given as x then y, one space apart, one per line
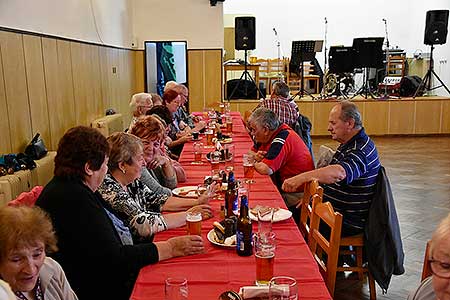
214 158
229 157
194 222
283 288
248 162
198 150
264 256
229 122
176 288
209 136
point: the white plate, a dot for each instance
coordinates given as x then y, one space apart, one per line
280 215
185 192
211 236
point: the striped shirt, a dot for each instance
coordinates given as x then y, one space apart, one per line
287 111
352 196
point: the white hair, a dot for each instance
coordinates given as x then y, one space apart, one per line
140 99
170 85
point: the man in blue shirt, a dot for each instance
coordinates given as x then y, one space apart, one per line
349 180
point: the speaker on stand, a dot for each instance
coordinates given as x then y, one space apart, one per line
245 39
436 29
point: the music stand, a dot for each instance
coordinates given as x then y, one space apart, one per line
341 60
303 51
368 54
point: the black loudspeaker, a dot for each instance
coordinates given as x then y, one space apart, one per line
244 34
245 90
436 27
409 85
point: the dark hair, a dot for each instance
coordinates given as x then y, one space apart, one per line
78 146
124 147
163 112
169 96
148 127
280 88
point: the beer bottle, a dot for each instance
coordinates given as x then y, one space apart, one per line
230 197
244 230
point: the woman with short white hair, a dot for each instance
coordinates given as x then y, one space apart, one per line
140 103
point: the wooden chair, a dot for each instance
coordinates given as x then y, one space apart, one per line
264 72
396 65
311 188
294 80
426 270
320 245
276 71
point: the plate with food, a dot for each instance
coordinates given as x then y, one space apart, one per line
280 214
223 156
186 192
230 242
223 233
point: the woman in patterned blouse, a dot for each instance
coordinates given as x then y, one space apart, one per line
131 200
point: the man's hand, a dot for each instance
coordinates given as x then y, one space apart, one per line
204 209
186 245
292 184
259 156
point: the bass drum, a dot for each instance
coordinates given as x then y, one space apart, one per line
347 83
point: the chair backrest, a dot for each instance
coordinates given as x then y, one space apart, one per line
311 188
319 244
263 66
426 270
396 65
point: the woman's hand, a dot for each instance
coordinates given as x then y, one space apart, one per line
204 209
186 245
158 160
205 197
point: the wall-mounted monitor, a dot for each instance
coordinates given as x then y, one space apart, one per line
164 61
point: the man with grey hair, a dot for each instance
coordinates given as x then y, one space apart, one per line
281 105
349 181
279 152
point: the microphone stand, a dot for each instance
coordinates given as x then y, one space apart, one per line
386 96
279 75
325 69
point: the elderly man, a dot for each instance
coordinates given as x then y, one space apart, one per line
183 118
140 103
279 151
279 103
349 181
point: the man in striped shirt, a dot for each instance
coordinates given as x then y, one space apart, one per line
349 181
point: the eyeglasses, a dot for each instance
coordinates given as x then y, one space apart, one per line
440 269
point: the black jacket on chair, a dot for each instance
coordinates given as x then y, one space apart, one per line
382 237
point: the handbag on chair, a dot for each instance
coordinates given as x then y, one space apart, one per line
36 149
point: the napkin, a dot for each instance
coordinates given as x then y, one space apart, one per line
250 292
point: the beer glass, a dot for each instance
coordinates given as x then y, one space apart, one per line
229 157
176 289
248 162
214 159
264 244
283 288
194 222
198 150
229 123
209 136
265 219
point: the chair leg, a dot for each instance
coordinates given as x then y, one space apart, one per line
359 261
372 289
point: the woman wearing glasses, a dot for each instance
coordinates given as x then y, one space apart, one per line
437 286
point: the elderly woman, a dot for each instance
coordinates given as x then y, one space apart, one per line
179 136
139 104
437 286
157 100
97 263
139 206
26 235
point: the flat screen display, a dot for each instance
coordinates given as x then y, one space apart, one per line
164 61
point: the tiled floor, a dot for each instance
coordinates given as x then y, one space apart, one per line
419 172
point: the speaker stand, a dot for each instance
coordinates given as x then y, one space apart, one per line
365 90
246 74
426 81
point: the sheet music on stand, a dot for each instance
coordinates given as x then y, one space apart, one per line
304 51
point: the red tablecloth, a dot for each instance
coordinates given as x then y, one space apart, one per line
221 269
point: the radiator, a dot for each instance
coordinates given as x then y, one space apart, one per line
12 185
108 124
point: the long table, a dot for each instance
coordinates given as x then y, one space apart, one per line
221 269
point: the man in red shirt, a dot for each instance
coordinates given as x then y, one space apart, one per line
279 151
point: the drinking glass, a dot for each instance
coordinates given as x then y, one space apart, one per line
214 159
265 257
229 157
176 288
265 219
248 162
209 136
194 222
283 288
229 124
198 150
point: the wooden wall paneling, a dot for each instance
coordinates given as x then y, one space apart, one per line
428 116
105 77
196 80
375 117
213 75
5 142
321 111
16 90
228 43
306 109
81 77
401 117
139 71
34 66
97 101
445 126
114 77
247 106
